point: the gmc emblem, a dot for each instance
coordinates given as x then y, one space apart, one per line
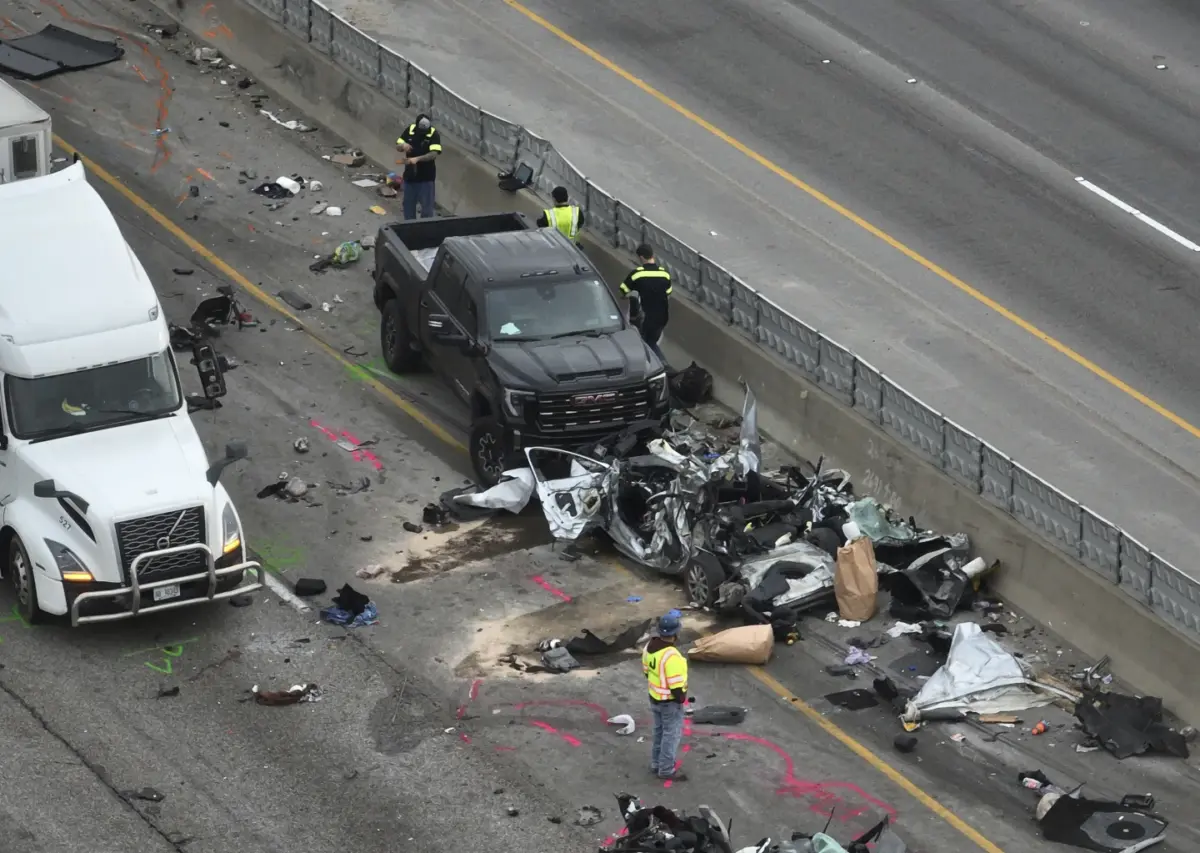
594 399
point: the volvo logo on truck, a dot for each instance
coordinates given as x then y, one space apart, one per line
594 399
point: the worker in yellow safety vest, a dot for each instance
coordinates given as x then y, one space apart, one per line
666 671
564 216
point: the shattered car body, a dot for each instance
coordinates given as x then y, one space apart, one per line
684 502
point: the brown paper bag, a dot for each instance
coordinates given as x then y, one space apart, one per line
856 580
749 644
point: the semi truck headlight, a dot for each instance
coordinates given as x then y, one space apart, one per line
658 385
231 531
514 402
70 567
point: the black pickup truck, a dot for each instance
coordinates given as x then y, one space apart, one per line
520 326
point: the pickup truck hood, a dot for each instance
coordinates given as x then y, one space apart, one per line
576 362
127 471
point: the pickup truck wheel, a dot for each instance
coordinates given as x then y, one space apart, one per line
20 570
396 342
489 455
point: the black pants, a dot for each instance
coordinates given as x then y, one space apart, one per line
652 331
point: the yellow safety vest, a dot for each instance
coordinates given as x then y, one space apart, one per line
565 219
666 670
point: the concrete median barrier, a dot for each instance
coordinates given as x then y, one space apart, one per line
1046 583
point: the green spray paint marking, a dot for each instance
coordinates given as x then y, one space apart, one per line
165 655
16 616
277 559
363 371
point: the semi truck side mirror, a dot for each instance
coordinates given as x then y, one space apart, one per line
48 489
235 451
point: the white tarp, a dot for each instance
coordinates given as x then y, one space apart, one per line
979 676
512 493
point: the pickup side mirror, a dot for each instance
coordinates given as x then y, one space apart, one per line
48 489
235 451
443 330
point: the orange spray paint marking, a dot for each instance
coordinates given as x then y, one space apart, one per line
139 73
206 174
206 8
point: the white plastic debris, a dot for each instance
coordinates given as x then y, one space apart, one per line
628 726
289 184
366 183
326 307
300 445
902 628
333 211
512 493
373 570
315 186
318 208
290 125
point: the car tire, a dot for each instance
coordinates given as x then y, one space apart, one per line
703 580
489 452
20 571
395 340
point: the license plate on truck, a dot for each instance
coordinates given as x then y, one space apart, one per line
162 593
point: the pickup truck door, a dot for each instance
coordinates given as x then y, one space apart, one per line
447 296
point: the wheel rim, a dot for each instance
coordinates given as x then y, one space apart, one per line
698 581
21 577
487 454
389 333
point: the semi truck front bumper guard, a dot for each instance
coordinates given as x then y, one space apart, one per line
135 589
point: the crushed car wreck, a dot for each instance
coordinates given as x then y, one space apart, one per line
676 499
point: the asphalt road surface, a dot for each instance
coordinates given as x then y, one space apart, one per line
141 736
992 284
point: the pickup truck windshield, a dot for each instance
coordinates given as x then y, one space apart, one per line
537 310
95 398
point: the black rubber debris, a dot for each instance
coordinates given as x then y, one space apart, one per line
54 50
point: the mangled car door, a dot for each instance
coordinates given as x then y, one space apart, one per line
572 500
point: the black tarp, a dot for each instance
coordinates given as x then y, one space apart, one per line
53 50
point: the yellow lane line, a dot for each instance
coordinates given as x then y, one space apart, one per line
845 739
1062 348
409 409
258 293
851 743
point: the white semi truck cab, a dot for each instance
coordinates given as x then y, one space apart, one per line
109 507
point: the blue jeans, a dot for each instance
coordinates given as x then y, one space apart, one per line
418 193
668 732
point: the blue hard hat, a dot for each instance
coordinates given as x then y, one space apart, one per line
668 626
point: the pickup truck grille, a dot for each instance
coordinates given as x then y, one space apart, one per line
591 413
152 533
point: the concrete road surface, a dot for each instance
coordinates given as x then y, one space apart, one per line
429 735
903 176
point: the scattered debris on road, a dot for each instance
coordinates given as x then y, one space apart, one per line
293 695
626 723
351 609
1068 817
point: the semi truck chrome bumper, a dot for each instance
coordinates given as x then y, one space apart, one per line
135 589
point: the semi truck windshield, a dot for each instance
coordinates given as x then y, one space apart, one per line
92 399
536 311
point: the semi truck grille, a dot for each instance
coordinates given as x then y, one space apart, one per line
156 532
593 412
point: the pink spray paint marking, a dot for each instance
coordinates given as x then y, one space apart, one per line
550 588
599 710
546 727
472 695
685 749
359 455
825 799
